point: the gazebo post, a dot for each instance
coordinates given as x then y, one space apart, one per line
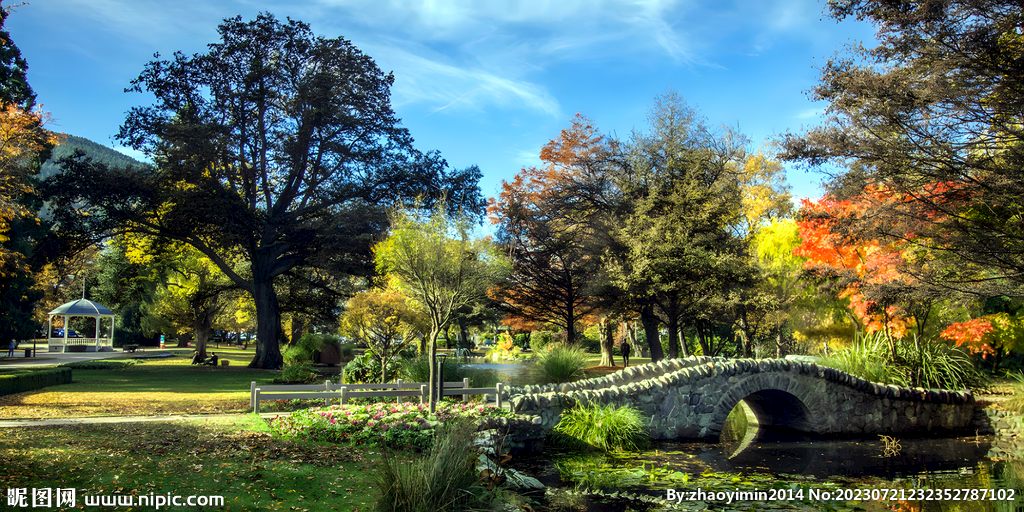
66 329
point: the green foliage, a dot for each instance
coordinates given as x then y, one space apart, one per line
417 369
17 382
936 364
295 373
602 426
302 351
444 480
366 368
540 340
560 363
1016 402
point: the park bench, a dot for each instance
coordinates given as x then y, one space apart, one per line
129 348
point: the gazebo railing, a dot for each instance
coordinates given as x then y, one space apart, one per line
59 343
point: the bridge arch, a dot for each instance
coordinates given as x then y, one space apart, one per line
775 399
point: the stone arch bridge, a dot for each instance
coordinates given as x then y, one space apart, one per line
691 399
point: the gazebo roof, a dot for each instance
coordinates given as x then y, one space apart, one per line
82 307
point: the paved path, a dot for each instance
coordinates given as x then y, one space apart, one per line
53 358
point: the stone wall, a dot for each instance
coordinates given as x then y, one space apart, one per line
691 398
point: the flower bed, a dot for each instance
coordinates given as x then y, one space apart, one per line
404 425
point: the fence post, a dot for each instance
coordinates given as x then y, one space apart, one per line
497 393
256 400
423 392
327 400
252 396
398 387
344 395
465 385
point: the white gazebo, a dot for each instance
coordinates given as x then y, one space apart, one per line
81 307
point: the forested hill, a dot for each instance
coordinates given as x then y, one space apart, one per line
98 152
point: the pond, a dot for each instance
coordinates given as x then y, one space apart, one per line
508 370
778 470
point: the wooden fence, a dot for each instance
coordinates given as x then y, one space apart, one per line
328 391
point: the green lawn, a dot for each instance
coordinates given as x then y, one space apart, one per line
233 458
153 386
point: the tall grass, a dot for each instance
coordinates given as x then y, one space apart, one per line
445 479
560 363
604 427
927 363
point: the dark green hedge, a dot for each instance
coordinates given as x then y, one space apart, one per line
28 380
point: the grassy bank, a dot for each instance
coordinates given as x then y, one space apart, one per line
234 458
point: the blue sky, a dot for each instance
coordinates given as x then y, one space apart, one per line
486 82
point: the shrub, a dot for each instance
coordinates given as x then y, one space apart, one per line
366 368
295 373
604 427
444 480
18 382
539 340
561 363
102 364
302 350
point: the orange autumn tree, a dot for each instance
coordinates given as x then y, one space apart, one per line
551 221
870 273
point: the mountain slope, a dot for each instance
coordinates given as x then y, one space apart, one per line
98 153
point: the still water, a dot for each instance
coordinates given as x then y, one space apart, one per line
771 468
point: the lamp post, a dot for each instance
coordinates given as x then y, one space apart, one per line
440 373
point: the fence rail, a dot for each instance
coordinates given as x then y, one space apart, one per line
328 391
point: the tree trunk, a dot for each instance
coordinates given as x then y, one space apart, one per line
298 328
650 323
607 329
778 344
673 338
464 334
268 327
203 324
432 383
684 347
744 338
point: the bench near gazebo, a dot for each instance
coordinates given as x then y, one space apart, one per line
87 308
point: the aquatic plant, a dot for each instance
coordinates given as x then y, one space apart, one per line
560 363
604 427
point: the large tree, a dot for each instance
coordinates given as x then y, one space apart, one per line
24 143
437 263
554 221
683 259
275 145
930 122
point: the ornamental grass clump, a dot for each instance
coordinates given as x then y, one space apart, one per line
604 427
443 480
927 363
561 363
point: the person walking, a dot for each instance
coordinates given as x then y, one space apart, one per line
625 353
10 347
